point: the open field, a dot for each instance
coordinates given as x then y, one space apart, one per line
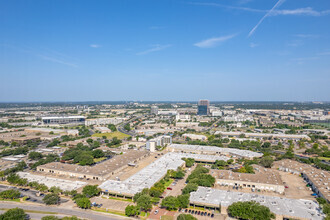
111 135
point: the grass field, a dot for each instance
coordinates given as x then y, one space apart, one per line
168 183
111 135
324 158
96 160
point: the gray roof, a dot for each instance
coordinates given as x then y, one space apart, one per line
301 208
152 173
233 151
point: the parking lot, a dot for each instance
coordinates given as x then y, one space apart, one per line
31 194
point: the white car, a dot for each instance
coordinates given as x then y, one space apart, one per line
156 212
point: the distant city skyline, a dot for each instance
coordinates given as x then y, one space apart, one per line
229 50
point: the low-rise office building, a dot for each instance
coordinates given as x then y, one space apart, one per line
99 171
212 150
76 119
103 121
152 173
195 137
264 135
283 208
263 179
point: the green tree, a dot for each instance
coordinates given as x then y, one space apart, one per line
50 217
13 178
97 153
155 192
183 201
91 191
55 189
14 214
35 155
190 187
144 202
83 203
10 194
186 217
250 210
51 199
170 203
266 161
132 210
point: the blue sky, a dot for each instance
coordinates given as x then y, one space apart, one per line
222 50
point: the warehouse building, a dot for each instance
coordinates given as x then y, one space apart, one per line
103 121
318 179
264 135
50 182
100 171
201 149
283 208
152 173
63 120
263 179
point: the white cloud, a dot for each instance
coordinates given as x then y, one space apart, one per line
213 42
253 45
299 11
155 48
308 11
95 45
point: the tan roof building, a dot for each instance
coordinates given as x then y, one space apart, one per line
99 171
317 178
262 179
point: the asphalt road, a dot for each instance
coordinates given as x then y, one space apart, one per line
80 213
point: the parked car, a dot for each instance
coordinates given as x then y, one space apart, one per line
169 188
156 212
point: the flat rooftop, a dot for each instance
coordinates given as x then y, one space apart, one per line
63 117
261 175
152 173
300 208
320 178
261 135
101 169
49 181
202 148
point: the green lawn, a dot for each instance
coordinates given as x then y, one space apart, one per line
324 158
111 135
166 217
109 211
121 199
168 183
11 200
99 159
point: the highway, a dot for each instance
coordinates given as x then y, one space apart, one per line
121 129
81 213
